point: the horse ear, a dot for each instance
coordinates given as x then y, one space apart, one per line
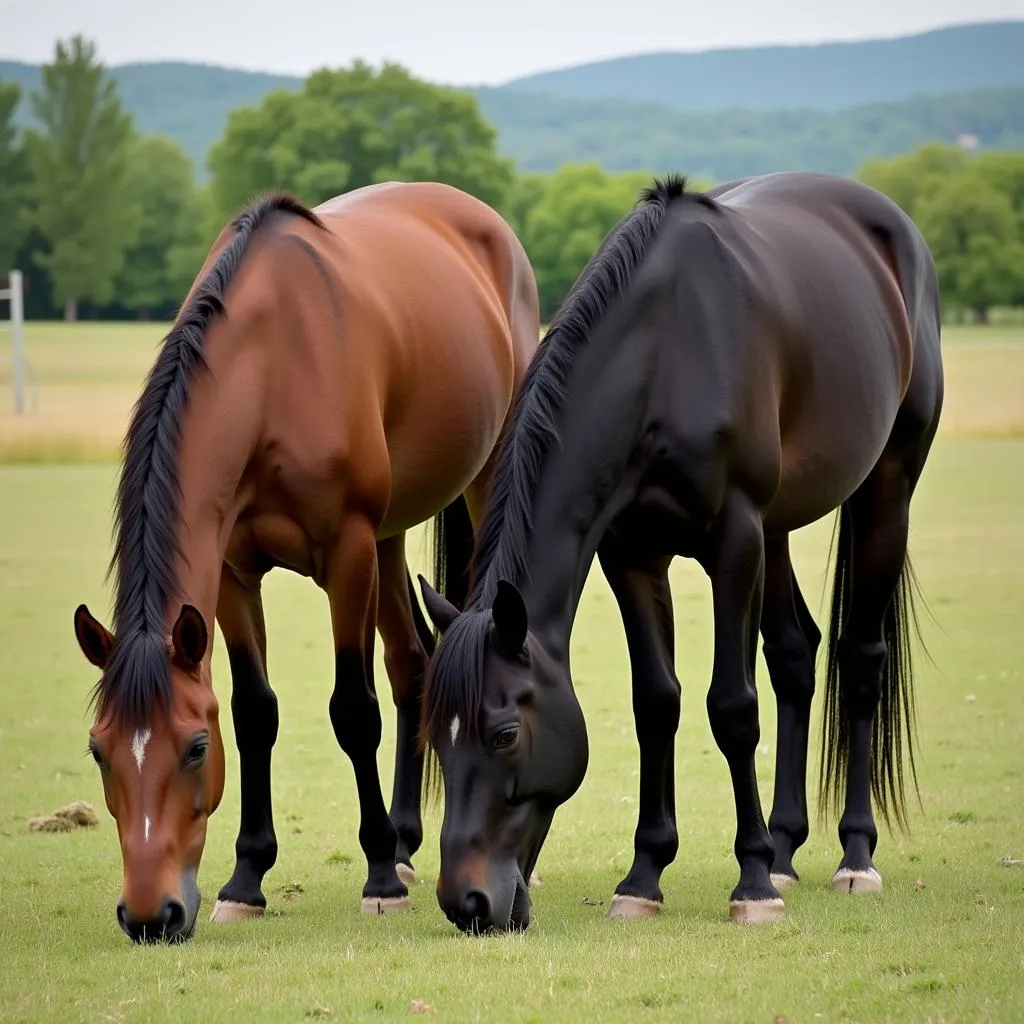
189 638
441 611
93 637
509 616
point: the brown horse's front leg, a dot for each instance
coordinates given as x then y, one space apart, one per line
254 712
352 587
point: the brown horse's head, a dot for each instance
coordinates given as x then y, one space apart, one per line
158 746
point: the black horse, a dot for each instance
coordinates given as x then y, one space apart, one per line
729 367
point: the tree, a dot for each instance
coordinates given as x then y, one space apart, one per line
13 178
908 178
170 245
971 230
79 161
355 127
569 219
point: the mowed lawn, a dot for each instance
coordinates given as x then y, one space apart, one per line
941 943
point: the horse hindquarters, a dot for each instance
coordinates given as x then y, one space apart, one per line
869 702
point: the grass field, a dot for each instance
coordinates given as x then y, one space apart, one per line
941 943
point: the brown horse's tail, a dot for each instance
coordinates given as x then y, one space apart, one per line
453 550
453 553
894 719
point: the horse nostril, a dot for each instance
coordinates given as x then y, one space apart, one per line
168 925
173 918
476 910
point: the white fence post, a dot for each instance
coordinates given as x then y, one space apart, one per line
17 342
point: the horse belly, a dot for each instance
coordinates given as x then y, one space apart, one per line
442 436
828 452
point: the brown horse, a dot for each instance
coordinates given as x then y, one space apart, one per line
730 367
335 378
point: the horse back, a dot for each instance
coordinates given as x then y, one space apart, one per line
372 361
818 306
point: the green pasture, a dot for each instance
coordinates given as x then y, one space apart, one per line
941 943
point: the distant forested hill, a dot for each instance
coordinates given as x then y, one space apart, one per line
829 76
783 100
541 132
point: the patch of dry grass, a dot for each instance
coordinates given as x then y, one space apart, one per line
87 377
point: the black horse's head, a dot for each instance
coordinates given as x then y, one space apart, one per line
502 718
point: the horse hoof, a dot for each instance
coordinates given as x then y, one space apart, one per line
227 911
380 905
622 907
848 880
783 881
406 873
756 911
535 880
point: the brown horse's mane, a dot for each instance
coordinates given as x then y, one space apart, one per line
456 675
147 508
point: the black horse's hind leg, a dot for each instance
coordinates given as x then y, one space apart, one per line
352 587
735 564
879 518
791 640
254 713
645 603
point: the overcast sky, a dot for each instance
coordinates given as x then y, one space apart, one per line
456 41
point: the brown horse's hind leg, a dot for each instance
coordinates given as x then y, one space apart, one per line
406 662
352 585
791 640
645 603
254 713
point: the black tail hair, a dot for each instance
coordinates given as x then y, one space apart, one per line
453 554
894 720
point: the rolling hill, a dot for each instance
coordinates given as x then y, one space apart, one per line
723 114
540 132
965 57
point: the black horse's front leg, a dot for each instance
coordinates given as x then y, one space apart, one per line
645 603
736 566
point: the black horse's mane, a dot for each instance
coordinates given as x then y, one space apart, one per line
456 675
147 508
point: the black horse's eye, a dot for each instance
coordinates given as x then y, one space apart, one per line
506 738
97 757
197 752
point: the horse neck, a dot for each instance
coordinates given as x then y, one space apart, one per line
586 480
219 431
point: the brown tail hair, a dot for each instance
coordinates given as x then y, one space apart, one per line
453 553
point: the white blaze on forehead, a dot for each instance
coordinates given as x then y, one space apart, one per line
139 741
453 729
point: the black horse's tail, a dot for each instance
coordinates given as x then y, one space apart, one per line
894 720
453 553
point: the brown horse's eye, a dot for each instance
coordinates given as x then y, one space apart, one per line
196 753
97 757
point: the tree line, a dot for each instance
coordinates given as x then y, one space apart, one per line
110 223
